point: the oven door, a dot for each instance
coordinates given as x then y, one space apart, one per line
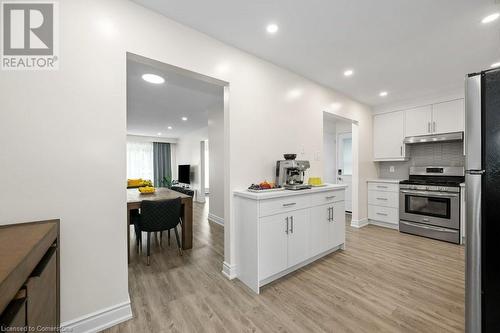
434 208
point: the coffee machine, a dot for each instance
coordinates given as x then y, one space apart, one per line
290 173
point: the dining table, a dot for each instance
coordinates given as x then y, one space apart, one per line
135 198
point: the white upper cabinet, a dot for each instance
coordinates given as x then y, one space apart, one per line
437 118
418 121
388 135
448 116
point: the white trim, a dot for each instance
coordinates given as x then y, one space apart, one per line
215 219
229 271
99 320
359 223
384 224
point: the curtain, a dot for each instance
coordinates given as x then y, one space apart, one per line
140 160
161 162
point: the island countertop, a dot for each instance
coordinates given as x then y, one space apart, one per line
287 193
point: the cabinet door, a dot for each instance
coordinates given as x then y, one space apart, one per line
298 237
418 121
338 224
448 116
388 135
319 236
273 236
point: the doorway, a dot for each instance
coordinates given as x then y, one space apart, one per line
340 164
184 110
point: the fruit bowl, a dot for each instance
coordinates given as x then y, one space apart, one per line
290 156
147 190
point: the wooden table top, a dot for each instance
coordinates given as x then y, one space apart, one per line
162 193
21 248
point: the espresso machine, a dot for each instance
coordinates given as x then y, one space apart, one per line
290 173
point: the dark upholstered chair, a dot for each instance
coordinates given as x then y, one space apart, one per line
157 216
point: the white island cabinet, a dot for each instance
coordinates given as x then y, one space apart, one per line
279 232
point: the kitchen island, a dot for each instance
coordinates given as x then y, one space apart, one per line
279 232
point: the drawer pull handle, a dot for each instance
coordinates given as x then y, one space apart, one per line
289 204
381 186
384 199
382 214
286 230
330 197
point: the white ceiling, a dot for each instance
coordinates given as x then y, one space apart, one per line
410 48
152 108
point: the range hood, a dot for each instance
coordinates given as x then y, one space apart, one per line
455 136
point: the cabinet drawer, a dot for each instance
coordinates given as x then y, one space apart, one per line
388 187
384 214
324 198
386 199
282 205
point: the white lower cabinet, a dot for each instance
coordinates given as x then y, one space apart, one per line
327 227
276 235
298 237
383 204
273 239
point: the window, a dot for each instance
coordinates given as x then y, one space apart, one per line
140 160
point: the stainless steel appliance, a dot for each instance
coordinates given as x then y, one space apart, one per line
482 306
290 174
429 203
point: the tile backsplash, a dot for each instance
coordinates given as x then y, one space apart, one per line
425 154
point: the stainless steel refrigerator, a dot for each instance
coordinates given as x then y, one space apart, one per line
483 202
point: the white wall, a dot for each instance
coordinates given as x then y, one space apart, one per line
63 132
216 159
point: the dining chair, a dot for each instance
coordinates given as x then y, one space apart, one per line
157 216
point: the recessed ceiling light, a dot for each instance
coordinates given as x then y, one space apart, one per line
184 118
159 133
495 65
383 93
169 127
348 72
272 28
153 78
491 18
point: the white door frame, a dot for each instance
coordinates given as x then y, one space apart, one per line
340 158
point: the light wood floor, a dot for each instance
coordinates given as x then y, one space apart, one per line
383 282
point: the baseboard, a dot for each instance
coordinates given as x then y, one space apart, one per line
359 223
229 271
99 320
384 224
216 219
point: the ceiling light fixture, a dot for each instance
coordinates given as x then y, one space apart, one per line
153 78
495 65
348 72
490 18
383 93
169 127
159 133
272 28
184 118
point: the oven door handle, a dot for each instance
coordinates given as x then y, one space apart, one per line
418 225
431 194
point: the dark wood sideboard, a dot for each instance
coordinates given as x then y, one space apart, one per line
29 277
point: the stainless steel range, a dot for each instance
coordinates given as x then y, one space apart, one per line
429 203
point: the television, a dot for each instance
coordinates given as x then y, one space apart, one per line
184 174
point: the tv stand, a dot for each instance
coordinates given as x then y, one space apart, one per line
183 190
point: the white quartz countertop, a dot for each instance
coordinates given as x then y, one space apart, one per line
384 180
287 193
